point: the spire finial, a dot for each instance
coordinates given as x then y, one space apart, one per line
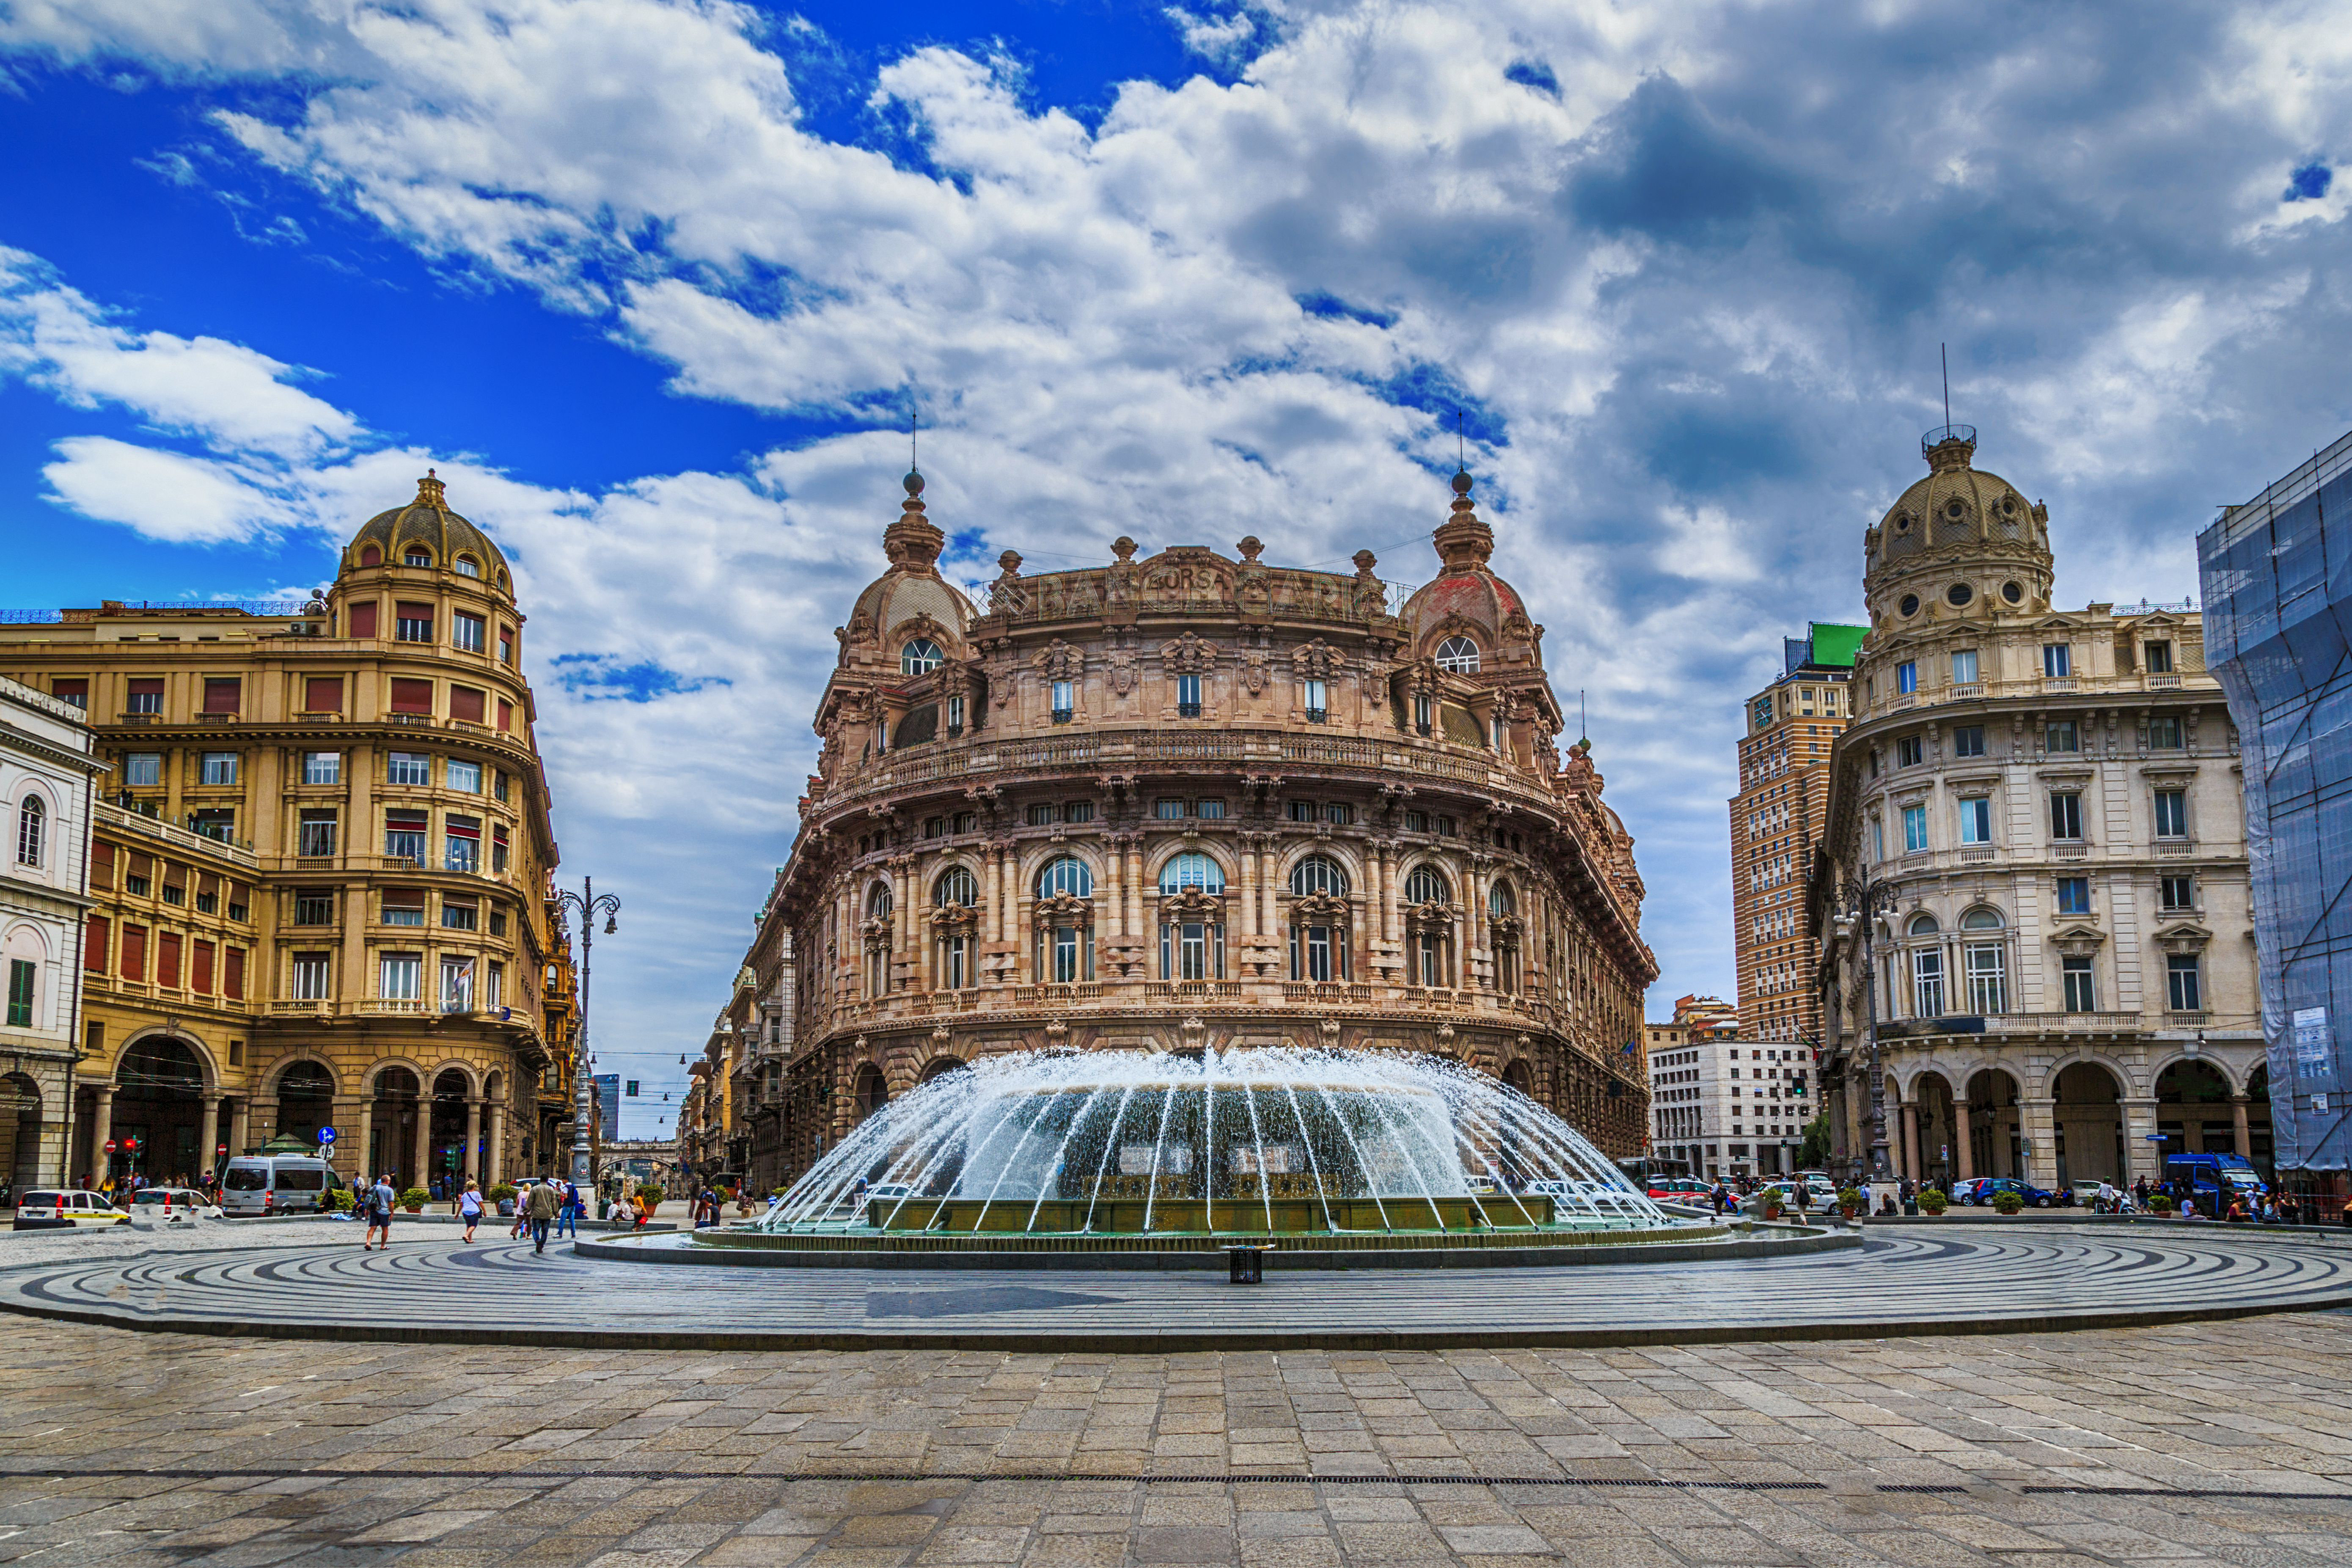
428 490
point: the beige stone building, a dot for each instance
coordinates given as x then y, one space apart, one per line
2043 809
1191 801
320 880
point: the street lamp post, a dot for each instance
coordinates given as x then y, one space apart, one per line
1865 899
590 906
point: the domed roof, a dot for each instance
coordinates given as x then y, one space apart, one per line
428 520
1466 589
1955 505
912 587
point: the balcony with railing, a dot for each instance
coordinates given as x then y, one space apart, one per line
184 840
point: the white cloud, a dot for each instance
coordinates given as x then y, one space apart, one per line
164 495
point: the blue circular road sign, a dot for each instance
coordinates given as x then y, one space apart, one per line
326 1134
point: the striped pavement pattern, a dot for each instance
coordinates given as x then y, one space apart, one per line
2021 1277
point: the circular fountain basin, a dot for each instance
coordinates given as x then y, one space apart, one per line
1116 1149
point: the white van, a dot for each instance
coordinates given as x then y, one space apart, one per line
275 1184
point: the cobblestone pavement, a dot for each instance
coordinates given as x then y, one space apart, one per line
2221 1443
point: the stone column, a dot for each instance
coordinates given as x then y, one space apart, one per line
1911 1165
1137 931
2238 1125
992 877
2038 1125
1111 906
498 1143
208 1134
101 1128
1271 886
1246 887
421 1171
363 1151
238 1123
472 1168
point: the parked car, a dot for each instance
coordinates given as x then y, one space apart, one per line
1982 1190
172 1204
51 1208
275 1184
1679 1189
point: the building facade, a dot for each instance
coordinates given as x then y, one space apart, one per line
1188 802
48 785
1776 820
1724 1105
2276 607
320 877
2034 859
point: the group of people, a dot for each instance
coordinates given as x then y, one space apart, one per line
554 1204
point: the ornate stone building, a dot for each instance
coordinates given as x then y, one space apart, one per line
1186 802
319 882
2041 810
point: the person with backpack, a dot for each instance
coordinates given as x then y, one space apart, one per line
379 1214
567 1210
541 1210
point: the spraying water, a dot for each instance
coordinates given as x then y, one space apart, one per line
1086 1135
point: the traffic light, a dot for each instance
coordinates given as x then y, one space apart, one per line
632 1088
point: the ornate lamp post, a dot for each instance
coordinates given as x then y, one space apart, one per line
590 906
1861 899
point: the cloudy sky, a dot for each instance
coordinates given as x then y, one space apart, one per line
651 282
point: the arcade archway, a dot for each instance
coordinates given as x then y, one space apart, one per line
2090 1117
391 1127
2192 1109
1996 1136
159 1099
20 1131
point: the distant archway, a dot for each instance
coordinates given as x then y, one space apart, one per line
2192 1109
391 1127
20 1127
159 1099
872 1093
1996 1136
2090 1115
306 1100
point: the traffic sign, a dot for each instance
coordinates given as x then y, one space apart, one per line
326 1134
220 1148
109 1145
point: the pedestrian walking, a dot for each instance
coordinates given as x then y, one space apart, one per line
567 1213
522 1212
469 1207
542 1211
379 1214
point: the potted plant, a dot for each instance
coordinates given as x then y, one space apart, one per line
1852 1201
2007 1203
652 1196
340 1201
1933 1201
2159 1202
1772 1203
503 1194
415 1199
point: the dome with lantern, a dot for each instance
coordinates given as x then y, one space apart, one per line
1960 541
425 532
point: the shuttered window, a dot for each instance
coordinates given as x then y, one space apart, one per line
324 694
363 618
167 959
101 864
221 694
134 965
233 974
414 623
76 691
466 702
412 696
200 968
94 943
505 714
145 695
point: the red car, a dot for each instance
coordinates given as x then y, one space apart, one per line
1679 1189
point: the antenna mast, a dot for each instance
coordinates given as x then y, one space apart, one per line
1944 353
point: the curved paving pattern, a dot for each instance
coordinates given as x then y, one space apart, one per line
2023 1278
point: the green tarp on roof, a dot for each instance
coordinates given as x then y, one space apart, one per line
1835 646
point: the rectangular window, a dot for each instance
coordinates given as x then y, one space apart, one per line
955 717
462 844
409 768
465 703
314 906
2065 815
322 767
2164 732
1065 702
143 769
506 715
2171 813
1907 677
2159 657
167 960
1065 953
411 696
218 823
1043 814
414 623
1338 812
1302 811
498 861
494 987
398 974
498 787
1976 820
1878 840
462 776
220 768
1213 810
1422 713
460 914
200 968
75 691
403 906
221 694
145 696
1316 700
22 975
1909 750
1914 829
238 909
324 694
1967 740
1964 667
1078 811
498 922
2057 660
935 828
1446 826
506 644
2061 735
134 953
1416 822
465 631
2184 988
1188 696
232 975
404 835
1927 985
1167 810
310 977
363 618
2073 895
315 835
2177 892
2082 991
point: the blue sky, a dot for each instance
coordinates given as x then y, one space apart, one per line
647 281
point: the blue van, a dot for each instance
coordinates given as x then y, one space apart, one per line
2223 1176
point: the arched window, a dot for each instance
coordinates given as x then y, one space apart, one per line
1427 884
878 903
957 886
1984 963
418 555
1981 918
1459 654
32 823
1066 938
1318 874
1192 870
1499 900
1924 925
466 566
370 556
1067 875
920 657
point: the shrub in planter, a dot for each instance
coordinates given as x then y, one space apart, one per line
2008 1203
502 1193
653 1196
1853 1201
778 1192
1933 1201
415 1199
340 1201
1771 1205
2159 1202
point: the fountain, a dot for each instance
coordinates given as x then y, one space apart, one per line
1191 1149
